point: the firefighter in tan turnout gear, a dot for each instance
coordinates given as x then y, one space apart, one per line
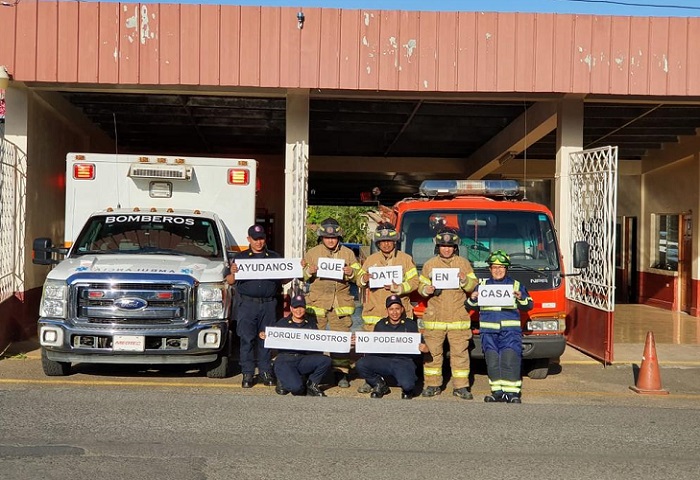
330 299
374 305
445 316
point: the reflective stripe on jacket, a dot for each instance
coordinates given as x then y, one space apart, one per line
494 319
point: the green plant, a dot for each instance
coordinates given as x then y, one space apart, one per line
352 220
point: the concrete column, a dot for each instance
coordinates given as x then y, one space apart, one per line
297 141
17 117
569 139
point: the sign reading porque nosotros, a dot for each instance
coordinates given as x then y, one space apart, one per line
387 342
302 339
270 268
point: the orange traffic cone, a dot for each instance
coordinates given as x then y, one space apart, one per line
649 380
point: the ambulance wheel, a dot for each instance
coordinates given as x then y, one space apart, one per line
538 369
52 368
221 367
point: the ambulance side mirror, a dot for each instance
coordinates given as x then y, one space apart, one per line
42 252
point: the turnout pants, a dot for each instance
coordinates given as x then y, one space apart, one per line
459 356
341 361
252 317
371 367
290 369
503 352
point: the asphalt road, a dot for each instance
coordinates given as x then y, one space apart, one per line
581 422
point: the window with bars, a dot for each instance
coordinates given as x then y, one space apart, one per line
665 241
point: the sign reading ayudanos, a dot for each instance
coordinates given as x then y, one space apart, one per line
270 268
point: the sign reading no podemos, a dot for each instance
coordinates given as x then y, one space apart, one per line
445 278
387 342
270 268
381 276
303 339
330 268
496 296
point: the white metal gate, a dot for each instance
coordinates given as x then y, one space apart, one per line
593 181
13 191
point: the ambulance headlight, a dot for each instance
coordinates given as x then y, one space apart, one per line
210 301
53 299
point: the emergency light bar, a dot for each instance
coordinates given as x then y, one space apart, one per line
160 170
488 188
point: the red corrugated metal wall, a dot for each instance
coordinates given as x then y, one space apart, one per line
152 44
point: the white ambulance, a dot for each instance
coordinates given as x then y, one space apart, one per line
147 245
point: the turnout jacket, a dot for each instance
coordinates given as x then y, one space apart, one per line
445 311
374 307
326 293
495 319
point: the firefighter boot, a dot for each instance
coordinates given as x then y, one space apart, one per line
513 398
267 379
380 389
406 395
496 396
248 380
314 390
343 381
364 388
463 393
431 392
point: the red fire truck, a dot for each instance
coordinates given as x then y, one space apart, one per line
489 215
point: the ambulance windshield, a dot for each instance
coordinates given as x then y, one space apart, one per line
528 237
152 234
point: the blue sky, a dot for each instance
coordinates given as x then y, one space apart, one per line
657 8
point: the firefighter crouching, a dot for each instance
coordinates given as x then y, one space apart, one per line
291 366
329 299
501 332
375 368
445 316
374 305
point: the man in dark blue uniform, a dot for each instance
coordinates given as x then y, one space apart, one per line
376 367
291 366
256 305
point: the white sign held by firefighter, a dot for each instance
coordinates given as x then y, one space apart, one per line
269 268
387 342
381 276
445 278
304 339
330 268
496 296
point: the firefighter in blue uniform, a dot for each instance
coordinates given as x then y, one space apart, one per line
256 308
374 368
501 332
291 366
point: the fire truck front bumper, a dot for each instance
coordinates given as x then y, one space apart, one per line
534 346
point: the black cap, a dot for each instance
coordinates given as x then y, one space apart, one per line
392 299
256 232
297 301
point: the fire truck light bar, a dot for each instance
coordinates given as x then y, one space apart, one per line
489 188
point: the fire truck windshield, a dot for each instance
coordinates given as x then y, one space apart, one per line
149 234
528 237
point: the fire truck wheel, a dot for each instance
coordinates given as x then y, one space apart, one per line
52 368
537 369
